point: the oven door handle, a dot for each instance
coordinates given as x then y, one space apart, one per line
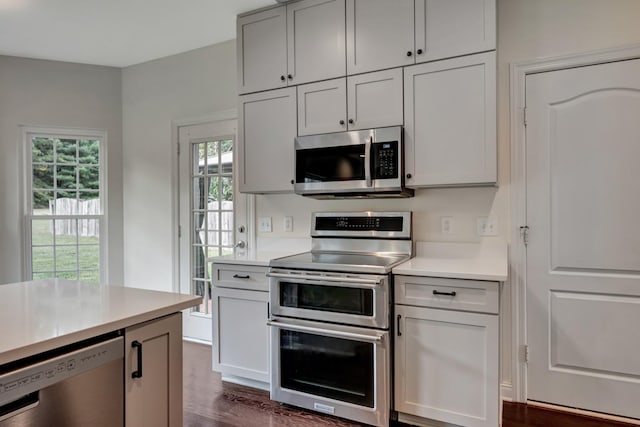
319 279
338 334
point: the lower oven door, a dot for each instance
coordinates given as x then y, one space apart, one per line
340 370
361 299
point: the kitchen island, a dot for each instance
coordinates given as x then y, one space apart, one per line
43 319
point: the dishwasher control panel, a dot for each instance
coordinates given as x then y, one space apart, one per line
25 380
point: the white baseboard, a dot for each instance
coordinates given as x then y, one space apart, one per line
506 392
577 411
246 382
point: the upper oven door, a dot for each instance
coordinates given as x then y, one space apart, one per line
340 298
333 163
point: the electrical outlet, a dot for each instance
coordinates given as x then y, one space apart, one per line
287 223
446 225
264 224
487 226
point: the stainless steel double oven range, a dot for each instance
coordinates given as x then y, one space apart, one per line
330 319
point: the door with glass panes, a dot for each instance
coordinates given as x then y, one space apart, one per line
212 213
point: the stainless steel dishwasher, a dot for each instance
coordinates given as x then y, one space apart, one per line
77 385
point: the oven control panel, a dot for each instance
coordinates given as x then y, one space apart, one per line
372 223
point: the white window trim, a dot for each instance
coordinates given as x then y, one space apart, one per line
26 133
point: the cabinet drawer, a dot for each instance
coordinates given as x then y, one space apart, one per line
240 277
469 295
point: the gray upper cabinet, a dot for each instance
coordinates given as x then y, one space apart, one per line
358 102
450 122
316 40
266 134
383 34
447 28
289 45
262 50
380 34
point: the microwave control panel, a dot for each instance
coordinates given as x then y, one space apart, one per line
385 160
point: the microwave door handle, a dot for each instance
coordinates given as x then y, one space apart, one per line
367 161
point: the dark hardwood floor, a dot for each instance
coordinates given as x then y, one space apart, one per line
208 402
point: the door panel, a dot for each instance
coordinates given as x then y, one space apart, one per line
379 34
315 36
583 275
322 107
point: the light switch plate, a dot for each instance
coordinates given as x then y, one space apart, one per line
287 223
446 225
487 226
264 224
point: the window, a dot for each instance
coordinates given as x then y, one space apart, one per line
65 205
212 208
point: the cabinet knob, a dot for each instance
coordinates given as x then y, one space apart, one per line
419 51
289 76
292 182
350 121
282 78
409 53
342 122
408 176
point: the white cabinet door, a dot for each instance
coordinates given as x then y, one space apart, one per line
322 107
447 28
446 366
364 101
266 134
380 34
240 333
450 121
315 40
262 50
375 99
154 349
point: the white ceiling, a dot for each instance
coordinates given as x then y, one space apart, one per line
116 32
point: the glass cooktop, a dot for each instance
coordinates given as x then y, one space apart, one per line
344 262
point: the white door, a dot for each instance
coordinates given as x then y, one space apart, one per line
583 253
212 212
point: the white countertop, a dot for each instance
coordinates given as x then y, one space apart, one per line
477 261
257 258
43 315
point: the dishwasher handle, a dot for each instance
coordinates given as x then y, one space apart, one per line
138 346
19 406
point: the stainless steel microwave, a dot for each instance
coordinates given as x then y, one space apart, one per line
363 163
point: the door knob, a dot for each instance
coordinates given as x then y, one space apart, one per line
241 244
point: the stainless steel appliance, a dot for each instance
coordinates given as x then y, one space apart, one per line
330 315
76 386
364 163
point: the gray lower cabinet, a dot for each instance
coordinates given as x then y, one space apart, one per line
446 359
153 373
240 332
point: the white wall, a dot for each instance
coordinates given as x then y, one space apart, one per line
188 85
58 94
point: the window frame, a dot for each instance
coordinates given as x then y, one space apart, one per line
27 135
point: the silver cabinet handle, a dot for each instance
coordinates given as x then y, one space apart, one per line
327 332
333 279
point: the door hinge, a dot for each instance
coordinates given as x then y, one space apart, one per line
525 353
524 116
524 234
